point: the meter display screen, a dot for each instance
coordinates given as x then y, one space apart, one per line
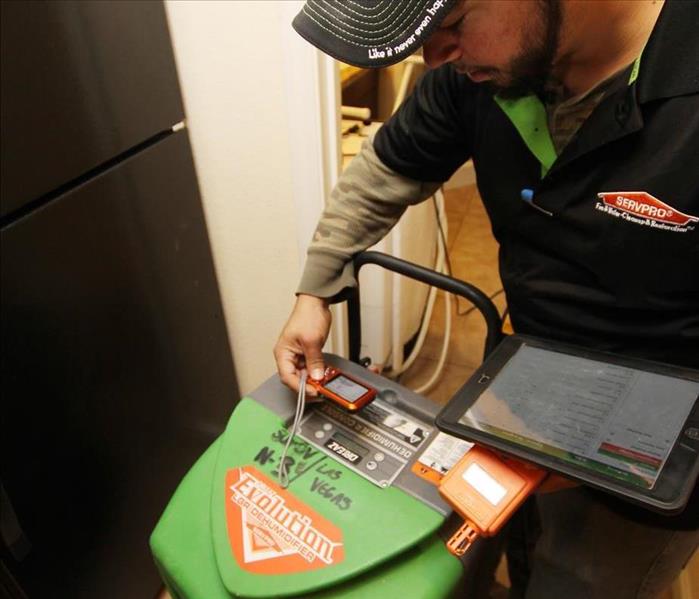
610 419
346 388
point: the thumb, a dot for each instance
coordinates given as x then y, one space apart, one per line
314 361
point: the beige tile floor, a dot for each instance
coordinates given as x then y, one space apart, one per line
473 255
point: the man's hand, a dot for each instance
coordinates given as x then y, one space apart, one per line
302 340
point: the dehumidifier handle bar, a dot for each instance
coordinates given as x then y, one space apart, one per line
444 282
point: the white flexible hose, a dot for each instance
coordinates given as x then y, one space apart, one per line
401 366
445 348
441 215
427 317
441 266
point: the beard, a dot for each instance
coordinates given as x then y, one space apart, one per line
532 68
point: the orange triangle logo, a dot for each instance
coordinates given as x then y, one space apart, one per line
260 540
271 531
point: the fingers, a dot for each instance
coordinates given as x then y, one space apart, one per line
287 365
314 359
301 341
294 355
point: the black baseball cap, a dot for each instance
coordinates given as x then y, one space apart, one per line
370 33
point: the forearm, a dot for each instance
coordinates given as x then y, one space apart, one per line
366 203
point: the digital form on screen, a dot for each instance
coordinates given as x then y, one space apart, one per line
346 388
607 418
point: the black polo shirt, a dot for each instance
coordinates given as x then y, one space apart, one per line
606 253
614 274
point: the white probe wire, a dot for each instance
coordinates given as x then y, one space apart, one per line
300 406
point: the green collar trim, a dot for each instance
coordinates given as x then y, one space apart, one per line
636 68
528 115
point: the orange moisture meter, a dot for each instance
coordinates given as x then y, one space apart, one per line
344 390
485 489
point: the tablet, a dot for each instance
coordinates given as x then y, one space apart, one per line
627 426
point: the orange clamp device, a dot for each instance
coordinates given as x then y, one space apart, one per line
485 489
344 390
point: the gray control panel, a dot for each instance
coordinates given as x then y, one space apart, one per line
380 443
377 442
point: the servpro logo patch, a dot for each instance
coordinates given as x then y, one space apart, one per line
641 208
272 532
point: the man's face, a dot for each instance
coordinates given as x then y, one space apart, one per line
509 43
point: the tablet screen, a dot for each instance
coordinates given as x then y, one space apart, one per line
610 419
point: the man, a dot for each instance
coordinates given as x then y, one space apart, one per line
582 120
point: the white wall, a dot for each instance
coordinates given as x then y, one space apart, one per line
233 60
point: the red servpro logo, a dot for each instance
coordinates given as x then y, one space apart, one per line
271 532
643 208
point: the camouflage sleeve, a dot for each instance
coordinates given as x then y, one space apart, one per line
367 201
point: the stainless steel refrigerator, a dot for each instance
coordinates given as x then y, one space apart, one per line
116 365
